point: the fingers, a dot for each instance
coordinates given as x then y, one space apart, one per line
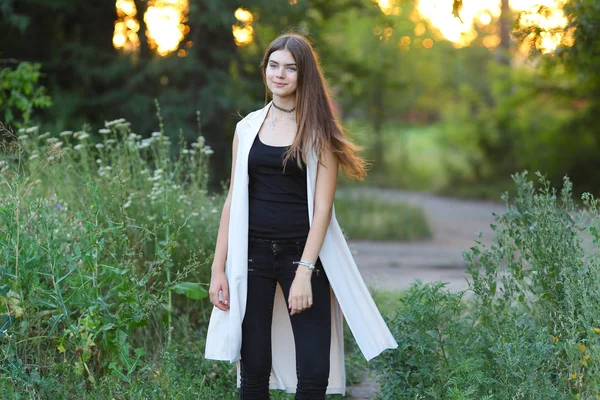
219 296
225 290
299 304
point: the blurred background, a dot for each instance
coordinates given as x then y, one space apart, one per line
446 96
116 123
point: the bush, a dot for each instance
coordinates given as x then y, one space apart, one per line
530 328
366 217
20 93
103 248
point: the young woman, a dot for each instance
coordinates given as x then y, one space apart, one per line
283 273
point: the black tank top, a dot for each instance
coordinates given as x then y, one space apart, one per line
278 203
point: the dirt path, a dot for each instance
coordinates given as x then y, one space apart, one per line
454 224
395 265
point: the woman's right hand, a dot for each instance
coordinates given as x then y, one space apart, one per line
218 283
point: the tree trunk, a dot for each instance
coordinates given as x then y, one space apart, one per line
378 119
141 7
505 24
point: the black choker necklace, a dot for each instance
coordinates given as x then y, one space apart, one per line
283 109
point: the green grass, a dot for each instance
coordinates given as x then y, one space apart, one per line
365 217
421 158
388 301
415 157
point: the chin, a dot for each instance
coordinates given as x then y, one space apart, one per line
282 93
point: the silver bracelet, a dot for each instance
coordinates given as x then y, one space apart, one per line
307 264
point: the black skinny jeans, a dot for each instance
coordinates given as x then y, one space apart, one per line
271 262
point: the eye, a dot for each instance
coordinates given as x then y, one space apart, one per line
272 65
292 68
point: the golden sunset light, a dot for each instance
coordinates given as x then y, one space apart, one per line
482 13
165 22
125 35
243 34
389 7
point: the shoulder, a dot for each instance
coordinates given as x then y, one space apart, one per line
249 119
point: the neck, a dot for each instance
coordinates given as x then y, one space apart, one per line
287 102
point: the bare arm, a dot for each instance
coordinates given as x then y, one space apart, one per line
327 172
218 281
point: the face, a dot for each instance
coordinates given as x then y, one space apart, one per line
282 74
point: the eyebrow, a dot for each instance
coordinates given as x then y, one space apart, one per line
272 61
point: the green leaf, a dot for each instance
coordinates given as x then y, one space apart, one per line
192 290
5 323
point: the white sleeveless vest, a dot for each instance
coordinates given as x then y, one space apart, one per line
349 294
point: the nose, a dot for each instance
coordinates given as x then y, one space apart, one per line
281 72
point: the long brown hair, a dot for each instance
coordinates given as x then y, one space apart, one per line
317 126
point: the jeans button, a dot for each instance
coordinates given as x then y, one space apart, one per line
274 246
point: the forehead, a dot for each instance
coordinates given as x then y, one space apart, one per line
282 57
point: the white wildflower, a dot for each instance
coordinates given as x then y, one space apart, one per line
23 137
99 146
103 131
185 151
52 140
58 144
32 129
33 157
78 147
50 158
83 136
66 133
110 141
126 205
207 150
156 134
144 171
103 171
195 144
195 214
114 122
44 135
98 161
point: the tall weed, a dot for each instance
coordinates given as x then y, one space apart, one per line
530 326
103 246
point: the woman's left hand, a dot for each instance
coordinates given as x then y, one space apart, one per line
300 297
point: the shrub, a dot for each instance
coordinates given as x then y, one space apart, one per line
530 328
20 93
97 241
368 217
